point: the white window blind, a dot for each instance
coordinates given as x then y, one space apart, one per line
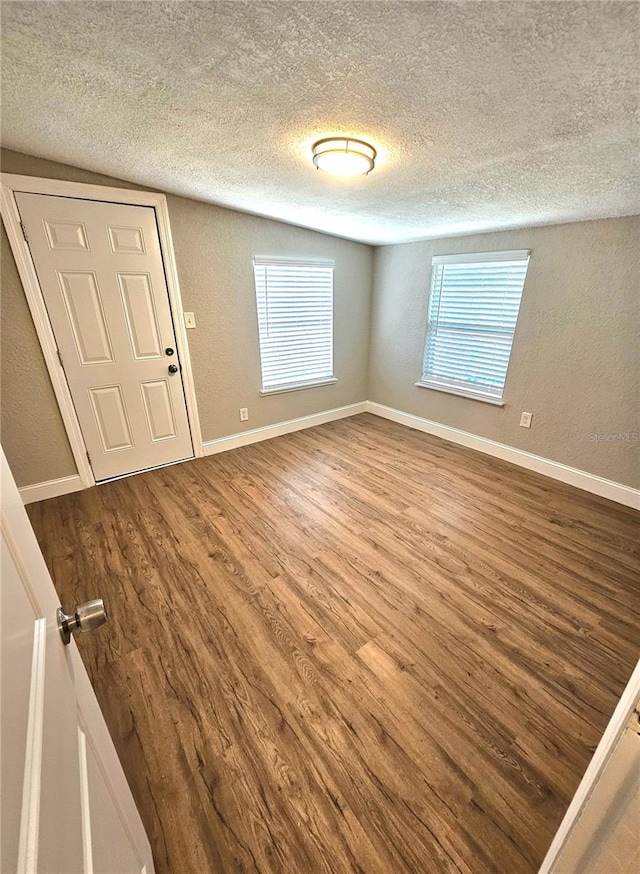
295 322
473 309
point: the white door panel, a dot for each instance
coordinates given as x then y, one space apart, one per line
142 319
111 417
159 410
102 278
66 236
66 805
17 652
48 835
60 834
126 241
86 317
105 856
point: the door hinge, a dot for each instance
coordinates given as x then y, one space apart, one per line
24 232
88 458
60 359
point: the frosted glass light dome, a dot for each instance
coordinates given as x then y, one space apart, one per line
342 156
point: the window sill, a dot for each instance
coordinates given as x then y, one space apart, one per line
460 392
297 386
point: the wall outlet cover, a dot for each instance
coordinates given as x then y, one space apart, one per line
525 420
244 414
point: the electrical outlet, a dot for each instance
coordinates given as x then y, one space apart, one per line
244 414
189 320
525 420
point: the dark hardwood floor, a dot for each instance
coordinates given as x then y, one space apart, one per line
356 648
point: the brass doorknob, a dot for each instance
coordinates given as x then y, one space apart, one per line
87 616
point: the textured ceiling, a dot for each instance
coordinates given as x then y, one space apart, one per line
485 114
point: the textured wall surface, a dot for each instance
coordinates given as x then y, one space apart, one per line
575 362
33 434
574 366
214 248
485 115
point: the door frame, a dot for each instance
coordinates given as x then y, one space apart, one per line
10 184
605 749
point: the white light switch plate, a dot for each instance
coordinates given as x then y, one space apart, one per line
189 320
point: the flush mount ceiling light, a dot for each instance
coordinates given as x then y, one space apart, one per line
343 156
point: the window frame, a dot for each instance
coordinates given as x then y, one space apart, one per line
311 263
462 388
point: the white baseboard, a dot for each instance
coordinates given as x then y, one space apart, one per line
222 444
52 488
67 484
589 482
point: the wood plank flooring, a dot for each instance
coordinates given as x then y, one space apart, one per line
356 648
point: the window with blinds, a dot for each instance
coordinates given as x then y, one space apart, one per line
295 322
473 309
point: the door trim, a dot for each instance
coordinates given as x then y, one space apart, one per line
595 769
11 183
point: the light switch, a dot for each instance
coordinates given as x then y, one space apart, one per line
189 320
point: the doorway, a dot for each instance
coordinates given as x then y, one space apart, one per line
99 275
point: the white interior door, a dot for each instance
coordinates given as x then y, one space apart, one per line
65 804
101 272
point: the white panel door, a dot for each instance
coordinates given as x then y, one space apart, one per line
102 277
66 807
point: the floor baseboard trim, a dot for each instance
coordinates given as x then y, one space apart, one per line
589 482
244 438
52 488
